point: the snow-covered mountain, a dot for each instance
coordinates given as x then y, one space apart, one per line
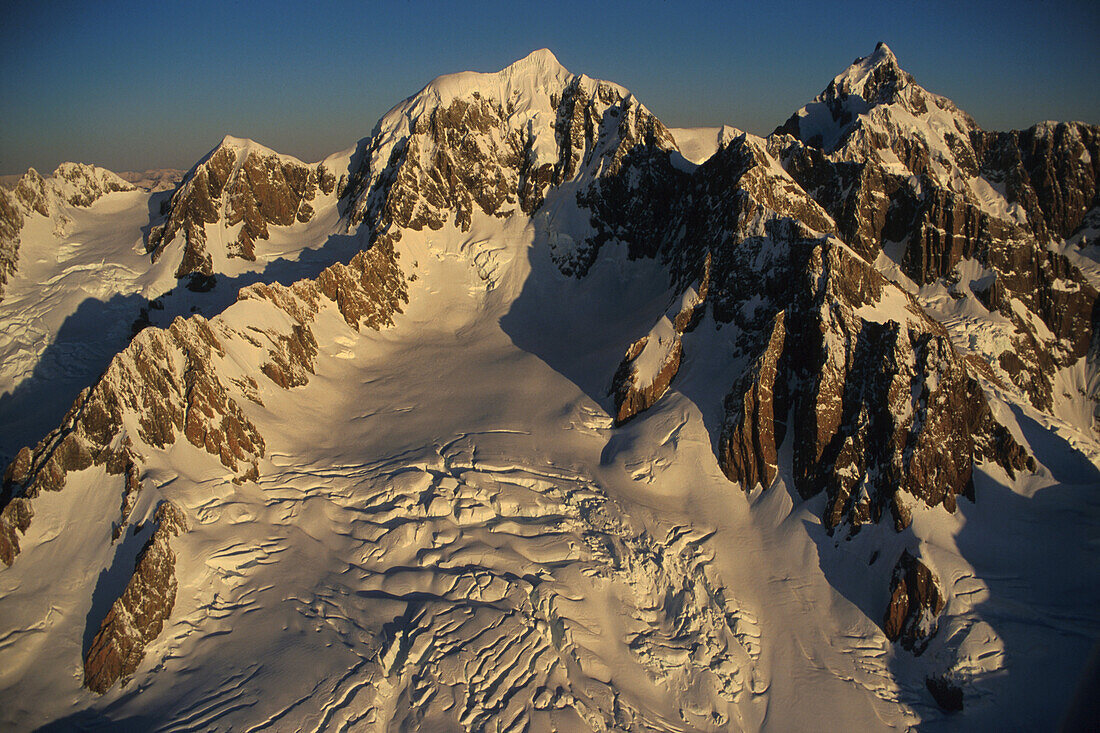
154 179
530 413
232 196
973 220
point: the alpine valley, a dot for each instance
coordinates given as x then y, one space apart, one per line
529 413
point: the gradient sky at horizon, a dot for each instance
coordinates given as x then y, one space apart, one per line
133 86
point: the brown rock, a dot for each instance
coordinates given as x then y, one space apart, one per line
879 411
255 191
138 616
31 192
168 380
756 418
292 358
11 223
915 602
631 397
370 289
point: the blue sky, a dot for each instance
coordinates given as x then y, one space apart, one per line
138 85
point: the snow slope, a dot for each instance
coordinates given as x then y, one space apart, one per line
699 143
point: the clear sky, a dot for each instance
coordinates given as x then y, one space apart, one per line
158 84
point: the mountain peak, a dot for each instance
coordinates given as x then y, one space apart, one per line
231 141
542 59
242 147
243 143
883 53
875 77
871 82
538 70
524 84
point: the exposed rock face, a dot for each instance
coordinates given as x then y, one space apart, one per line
915 603
1050 170
881 405
82 185
169 382
239 183
638 184
370 288
636 390
32 192
876 398
292 358
892 162
11 222
651 362
878 410
130 493
756 417
138 616
439 157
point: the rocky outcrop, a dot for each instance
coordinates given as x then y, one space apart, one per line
756 417
651 362
370 289
637 387
168 382
880 409
292 358
82 185
635 193
1050 170
441 156
458 159
131 490
239 183
892 162
33 192
137 617
11 222
916 602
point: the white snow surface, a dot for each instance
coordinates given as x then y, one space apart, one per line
659 344
697 144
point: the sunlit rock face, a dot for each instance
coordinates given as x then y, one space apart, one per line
240 186
894 164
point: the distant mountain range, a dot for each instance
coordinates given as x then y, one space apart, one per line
154 179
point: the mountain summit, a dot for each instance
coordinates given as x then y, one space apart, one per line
876 77
873 92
